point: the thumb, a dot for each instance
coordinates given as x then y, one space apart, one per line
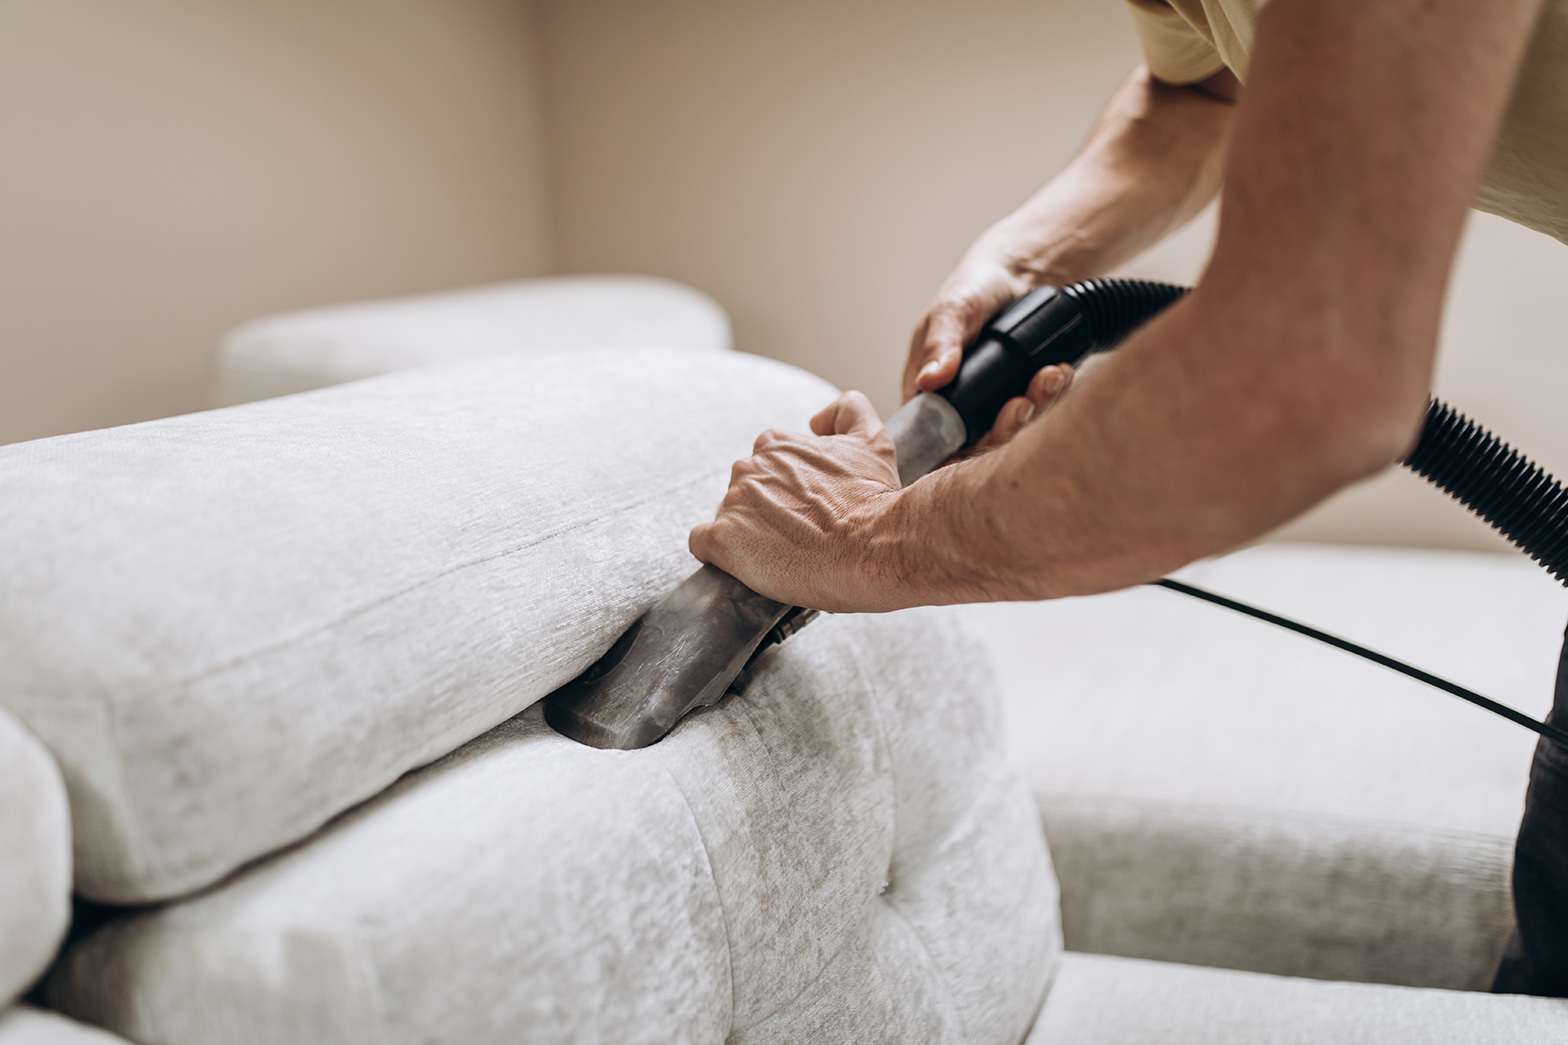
849 414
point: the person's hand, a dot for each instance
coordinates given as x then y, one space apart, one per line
798 521
988 278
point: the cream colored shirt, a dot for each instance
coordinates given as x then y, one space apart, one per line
1185 41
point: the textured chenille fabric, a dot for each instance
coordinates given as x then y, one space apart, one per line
1099 1000
229 627
25 1025
843 853
298 351
1218 791
35 859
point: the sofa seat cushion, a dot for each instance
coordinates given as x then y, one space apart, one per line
25 1025
229 627
844 853
35 859
299 351
1218 791
1100 1000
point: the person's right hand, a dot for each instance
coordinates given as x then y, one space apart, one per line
983 282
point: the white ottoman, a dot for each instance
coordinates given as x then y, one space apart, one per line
1099 1000
1222 792
299 351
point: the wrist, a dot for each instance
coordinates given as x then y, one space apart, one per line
929 542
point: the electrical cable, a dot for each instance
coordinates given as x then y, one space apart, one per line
1543 728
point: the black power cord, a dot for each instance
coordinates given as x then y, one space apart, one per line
1543 728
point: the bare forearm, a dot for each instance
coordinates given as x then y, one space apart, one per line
1153 161
1302 361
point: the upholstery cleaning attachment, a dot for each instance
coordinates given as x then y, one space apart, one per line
694 645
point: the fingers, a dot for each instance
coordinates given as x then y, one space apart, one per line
1049 385
946 334
700 542
1010 421
938 343
970 297
1045 389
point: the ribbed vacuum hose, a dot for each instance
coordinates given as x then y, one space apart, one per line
1497 482
1505 488
1117 307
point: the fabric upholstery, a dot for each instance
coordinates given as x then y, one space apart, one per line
299 351
1099 1000
35 859
844 853
228 627
25 1025
1221 792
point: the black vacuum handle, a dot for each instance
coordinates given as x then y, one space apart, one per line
1047 326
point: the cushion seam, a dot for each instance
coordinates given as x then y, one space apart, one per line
382 600
892 776
718 895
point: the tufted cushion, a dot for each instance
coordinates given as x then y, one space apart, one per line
328 346
1119 1001
35 859
24 1025
843 854
1221 792
228 627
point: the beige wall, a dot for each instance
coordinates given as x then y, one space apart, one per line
169 168
818 166
173 167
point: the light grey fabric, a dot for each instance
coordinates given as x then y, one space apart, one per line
1099 1000
25 1025
843 854
299 351
1221 792
230 626
35 859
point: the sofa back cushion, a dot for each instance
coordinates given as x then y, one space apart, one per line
229 627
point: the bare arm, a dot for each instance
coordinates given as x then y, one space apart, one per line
1152 162
1301 362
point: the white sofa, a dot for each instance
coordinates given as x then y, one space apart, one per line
234 632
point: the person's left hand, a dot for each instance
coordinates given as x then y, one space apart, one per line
798 521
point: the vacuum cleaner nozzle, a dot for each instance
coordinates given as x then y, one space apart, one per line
689 648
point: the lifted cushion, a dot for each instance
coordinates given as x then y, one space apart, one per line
231 626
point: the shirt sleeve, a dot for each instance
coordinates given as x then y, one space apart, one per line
1175 51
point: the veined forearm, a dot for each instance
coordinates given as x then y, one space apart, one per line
1153 161
1302 361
